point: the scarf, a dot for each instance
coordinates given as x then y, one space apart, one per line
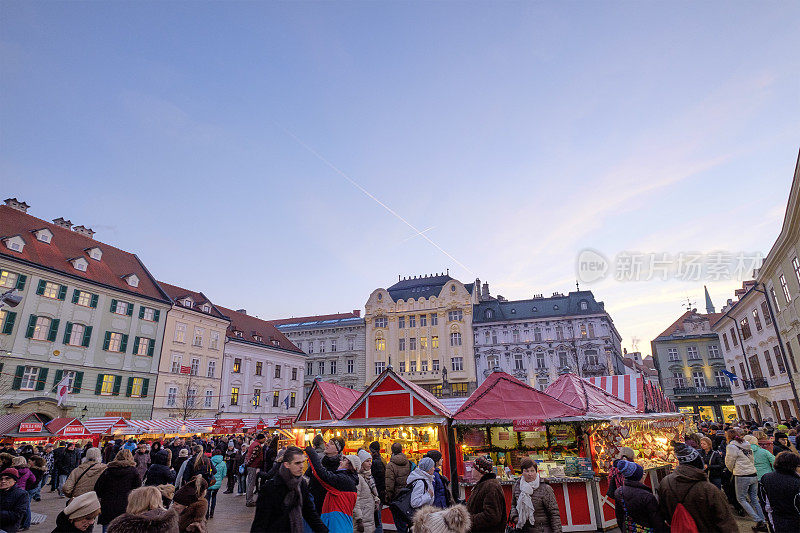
524 502
293 501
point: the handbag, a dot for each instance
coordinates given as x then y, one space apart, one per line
241 469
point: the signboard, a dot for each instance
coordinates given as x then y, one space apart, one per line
30 427
73 430
228 425
121 414
185 369
528 424
285 423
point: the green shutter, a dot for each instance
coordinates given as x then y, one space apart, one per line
123 346
62 292
76 294
99 387
93 303
87 336
40 287
21 282
145 386
59 375
117 384
156 315
107 340
136 341
31 326
113 306
17 383
141 312
67 332
8 326
77 382
130 309
150 347
51 335
42 379
129 387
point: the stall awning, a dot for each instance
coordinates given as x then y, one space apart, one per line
327 401
20 425
109 425
68 427
390 396
165 425
591 400
503 398
636 390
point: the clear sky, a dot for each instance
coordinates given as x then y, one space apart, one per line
222 141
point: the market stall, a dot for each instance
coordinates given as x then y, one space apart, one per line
23 428
636 390
71 429
110 427
165 428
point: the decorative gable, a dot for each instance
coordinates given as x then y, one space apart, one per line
15 243
95 253
132 280
80 263
44 235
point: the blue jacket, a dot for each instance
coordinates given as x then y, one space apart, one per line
439 490
218 461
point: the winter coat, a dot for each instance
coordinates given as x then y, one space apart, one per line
783 494
367 501
713 460
763 460
38 466
440 494
777 448
189 472
317 489
271 514
546 515
340 499
159 472
379 475
487 506
636 501
193 517
142 461
154 449
88 473
739 458
64 525
454 519
255 455
397 470
153 521
25 475
113 487
218 462
421 484
13 508
64 461
705 503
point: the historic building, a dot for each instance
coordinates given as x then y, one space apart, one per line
538 339
422 327
691 366
779 278
262 371
334 346
751 351
89 312
190 371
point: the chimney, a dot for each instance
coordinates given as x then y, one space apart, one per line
62 223
243 311
13 203
357 312
485 291
83 230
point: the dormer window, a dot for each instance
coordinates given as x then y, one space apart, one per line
44 235
80 263
258 338
132 280
238 334
15 243
95 253
584 305
187 302
206 308
276 343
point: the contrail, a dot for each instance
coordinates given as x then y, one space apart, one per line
417 234
355 184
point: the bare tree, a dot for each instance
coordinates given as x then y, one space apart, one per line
187 402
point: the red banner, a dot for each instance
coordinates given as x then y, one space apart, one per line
285 423
228 425
185 369
30 427
73 430
528 424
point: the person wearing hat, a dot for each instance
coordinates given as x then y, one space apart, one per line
432 519
487 504
634 502
689 485
367 499
330 460
441 495
159 472
762 458
191 505
79 514
615 479
378 469
534 508
782 444
339 503
422 493
14 503
114 484
739 460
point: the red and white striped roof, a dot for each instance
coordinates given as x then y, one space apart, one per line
164 425
103 425
627 388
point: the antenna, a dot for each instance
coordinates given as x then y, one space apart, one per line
689 305
635 343
577 287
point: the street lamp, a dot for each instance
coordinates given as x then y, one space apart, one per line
10 299
84 411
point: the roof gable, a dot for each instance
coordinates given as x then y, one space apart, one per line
198 299
326 401
394 396
587 397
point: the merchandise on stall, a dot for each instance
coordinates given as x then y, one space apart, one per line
649 438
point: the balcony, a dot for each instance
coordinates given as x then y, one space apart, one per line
688 391
594 369
755 383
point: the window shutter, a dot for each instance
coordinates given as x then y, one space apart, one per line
62 292
31 326
76 294
123 346
156 315
117 384
150 347
93 303
87 336
113 306
40 287
17 383
42 379
51 335
107 340
129 387
59 375
77 382
145 386
141 312
67 332
136 341
21 282
130 310
8 327
99 387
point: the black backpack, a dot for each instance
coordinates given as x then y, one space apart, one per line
402 501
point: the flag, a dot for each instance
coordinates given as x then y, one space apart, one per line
286 401
62 389
730 375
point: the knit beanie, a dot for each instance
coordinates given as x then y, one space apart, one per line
93 454
685 454
750 439
630 470
436 455
375 446
339 443
83 505
10 472
425 464
778 435
483 465
364 455
355 461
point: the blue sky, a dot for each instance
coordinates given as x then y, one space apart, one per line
205 137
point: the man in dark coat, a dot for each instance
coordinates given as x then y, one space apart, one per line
634 501
284 500
331 459
782 491
159 472
64 461
378 470
487 504
14 502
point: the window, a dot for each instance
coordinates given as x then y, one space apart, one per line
333 367
30 378
540 360
672 354
424 365
380 344
437 391
42 329
84 299
401 322
292 399
213 342
74 334
734 338
584 305
277 371
206 308
237 365
699 379
115 343
180 332
457 363
333 345
563 360
770 366
423 343
121 308
149 314
234 395
9 279
765 312
515 336
413 366
559 333
455 339
745 325
434 319
143 346
678 380
691 352
486 338
423 321
212 368
256 398
351 365
194 370
401 345
713 351
209 399
493 361
380 366
779 359
412 343
796 268
519 364
321 368
402 366
294 374
51 290
276 397
455 315
725 342
583 330
435 365
136 385
537 334
459 389
309 368
591 330
198 337
785 289
259 367
351 344
757 319
412 321
172 396
107 386
435 341
591 357
381 322
176 364
321 346
720 379
310 347
774 299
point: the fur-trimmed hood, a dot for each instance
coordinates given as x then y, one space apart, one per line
154 521
121 464
431 519
37 462
193 517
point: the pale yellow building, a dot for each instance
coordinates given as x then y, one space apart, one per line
422 326
190 371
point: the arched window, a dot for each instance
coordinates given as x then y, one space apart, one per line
380 343
488 314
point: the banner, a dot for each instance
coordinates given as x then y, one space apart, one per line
73 430
228 425
528 424
30 427
185 369
285 423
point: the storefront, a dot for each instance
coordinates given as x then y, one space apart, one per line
23 428
72 430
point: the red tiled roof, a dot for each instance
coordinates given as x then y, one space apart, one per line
676 326
67 244
251 326
339 399
314 318
198 298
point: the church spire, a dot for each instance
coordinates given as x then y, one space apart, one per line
709 303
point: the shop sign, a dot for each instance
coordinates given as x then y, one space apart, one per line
285 422
528 424
120 414
228 425
73 430
185 369
30 427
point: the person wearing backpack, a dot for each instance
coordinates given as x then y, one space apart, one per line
782 493
689 502
634 502
739 460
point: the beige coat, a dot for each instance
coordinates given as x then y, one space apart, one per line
74 488
739 458
367 501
